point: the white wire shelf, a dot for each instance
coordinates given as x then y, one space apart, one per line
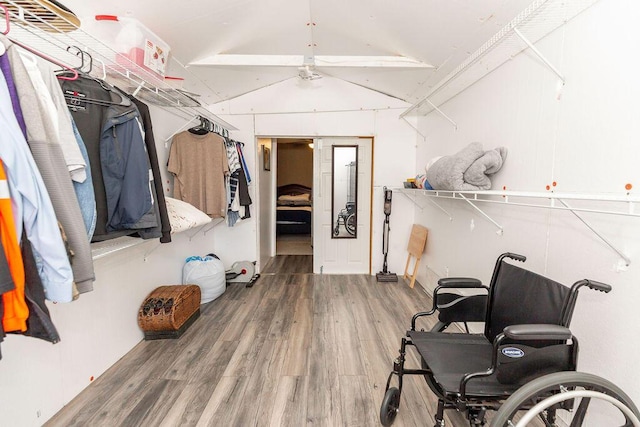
537 21
32 28
504 196
108 247
620 204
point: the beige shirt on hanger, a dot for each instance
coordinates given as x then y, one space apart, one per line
199 163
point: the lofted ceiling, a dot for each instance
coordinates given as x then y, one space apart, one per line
233 47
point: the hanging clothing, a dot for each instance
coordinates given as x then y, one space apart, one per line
46 85
244 163
84 190
232 156
15 308
125 171
149 140
89 118
107 125
199 163
6 71
238 191
6 281
39 323
43 139
233 210
31 204
243 194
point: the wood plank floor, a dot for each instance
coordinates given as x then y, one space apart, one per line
294 244
289 264
293 350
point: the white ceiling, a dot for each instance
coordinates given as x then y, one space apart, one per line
437 33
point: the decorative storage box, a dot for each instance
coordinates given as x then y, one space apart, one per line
132 40
169 310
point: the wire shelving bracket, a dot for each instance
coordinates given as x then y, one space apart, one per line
505 198
539 54
538 20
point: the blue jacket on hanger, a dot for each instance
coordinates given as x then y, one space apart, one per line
125 170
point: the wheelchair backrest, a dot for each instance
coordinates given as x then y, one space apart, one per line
518 296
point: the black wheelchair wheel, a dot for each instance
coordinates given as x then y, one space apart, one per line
389 407
550 385
350 224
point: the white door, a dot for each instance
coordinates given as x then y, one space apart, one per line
333 253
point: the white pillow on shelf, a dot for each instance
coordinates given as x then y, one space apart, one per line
183 215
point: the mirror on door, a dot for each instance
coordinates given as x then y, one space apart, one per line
344 191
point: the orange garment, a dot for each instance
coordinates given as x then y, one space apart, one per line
16 311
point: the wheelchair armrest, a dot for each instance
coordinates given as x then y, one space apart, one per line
460 282
538 332
534 332
421 314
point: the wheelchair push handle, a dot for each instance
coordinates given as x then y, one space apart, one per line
598 286
516 257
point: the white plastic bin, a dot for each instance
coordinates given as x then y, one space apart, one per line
133 41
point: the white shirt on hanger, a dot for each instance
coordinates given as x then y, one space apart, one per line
38 71
32 206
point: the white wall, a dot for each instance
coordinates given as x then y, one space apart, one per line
331 107
37 378
586 141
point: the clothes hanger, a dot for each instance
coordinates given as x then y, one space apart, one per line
200 129
6 19
85 70
74 72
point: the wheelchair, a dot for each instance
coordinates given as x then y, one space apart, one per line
347 218
525 355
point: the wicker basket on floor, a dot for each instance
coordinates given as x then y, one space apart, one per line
169 310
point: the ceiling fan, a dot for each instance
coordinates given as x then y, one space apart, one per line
306 73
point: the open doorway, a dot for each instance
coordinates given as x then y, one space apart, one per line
298 193
294 203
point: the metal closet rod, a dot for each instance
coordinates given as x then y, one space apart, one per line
197 116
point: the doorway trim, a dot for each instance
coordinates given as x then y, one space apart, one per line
267 223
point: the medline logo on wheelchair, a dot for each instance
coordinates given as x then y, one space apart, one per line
513 352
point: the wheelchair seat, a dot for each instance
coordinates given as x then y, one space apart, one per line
526 335
450 356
